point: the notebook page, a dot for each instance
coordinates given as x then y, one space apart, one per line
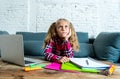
88 63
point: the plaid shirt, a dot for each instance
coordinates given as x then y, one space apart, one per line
58 48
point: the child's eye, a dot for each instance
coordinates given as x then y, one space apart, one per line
66 26
59 27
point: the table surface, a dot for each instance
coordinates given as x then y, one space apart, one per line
11 71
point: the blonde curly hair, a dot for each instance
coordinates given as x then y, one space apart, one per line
52 33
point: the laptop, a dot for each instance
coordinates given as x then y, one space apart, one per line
12 50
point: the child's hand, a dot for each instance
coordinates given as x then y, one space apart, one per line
64 59
68 35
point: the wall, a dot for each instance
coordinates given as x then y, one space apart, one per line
92 16
13 15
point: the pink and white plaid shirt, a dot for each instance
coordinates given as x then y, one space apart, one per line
58 48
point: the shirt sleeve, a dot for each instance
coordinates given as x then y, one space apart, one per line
49 55
68 49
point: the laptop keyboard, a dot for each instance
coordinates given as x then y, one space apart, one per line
28 62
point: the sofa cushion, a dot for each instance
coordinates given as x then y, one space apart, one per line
3 32
107 46
82 37
86 50
27 36
33 48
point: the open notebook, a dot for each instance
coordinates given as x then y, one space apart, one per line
89 63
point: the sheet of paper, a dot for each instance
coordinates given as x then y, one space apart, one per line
88 63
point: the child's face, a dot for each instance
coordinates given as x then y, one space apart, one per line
63 28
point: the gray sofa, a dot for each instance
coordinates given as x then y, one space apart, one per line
106 46
33 44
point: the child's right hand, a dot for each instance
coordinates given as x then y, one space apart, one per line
64 59
68 35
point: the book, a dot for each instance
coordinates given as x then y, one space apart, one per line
73 67
69 66
89 63
53 66
57 66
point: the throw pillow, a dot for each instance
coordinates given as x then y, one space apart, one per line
107 46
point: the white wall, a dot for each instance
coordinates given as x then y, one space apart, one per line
13 15
109 15
92 16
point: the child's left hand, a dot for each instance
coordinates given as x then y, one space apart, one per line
64 59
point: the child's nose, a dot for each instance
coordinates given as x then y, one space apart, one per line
63 28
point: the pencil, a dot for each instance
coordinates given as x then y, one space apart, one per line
87 62
30 69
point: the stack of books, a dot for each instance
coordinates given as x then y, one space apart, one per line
88 65
82 65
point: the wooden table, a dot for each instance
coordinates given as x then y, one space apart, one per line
11 71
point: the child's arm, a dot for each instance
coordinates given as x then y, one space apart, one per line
68 46
49 55
68 49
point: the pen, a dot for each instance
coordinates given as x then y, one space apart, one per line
37 65
34 67
87 62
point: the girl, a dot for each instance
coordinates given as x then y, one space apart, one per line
60 42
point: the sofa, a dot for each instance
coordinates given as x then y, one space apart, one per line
106 46
3 33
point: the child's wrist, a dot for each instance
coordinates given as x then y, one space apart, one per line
66 38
